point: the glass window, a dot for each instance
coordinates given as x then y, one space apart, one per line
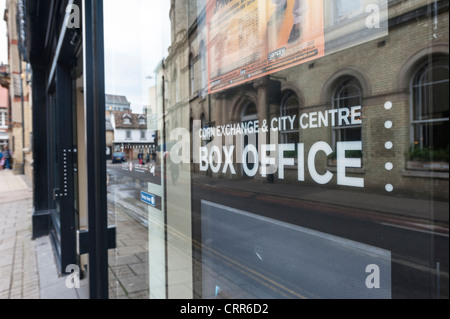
430 107
290 108
254 184
347 95
203 63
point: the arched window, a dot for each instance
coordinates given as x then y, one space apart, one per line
290 107
347 94
249 113
429 116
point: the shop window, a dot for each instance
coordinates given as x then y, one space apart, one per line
348 94
430 111
290 107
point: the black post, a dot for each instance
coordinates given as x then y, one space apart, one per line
94 95
40 154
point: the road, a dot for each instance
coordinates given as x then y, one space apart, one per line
274 247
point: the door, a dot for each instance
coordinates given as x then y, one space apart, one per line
62 221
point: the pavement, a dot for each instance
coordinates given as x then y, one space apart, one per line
27 267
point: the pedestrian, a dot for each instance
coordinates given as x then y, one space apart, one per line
2 160
7 158
147 158
140 157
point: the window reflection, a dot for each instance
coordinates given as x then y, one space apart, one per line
347 94
430 106
251 214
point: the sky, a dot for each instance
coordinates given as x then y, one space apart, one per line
3 42
137 36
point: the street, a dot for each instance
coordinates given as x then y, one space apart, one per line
265 245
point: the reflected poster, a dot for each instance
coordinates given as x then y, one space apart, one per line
250 39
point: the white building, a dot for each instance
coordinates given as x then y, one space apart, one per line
131 134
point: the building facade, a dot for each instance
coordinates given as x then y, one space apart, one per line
131 135
301 147
117 103
21 128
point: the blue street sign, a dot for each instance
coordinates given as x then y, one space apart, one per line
148 198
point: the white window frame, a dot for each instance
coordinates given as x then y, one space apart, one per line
336 99
417 102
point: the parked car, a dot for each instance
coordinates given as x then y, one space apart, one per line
118 157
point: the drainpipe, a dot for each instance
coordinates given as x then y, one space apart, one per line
22 170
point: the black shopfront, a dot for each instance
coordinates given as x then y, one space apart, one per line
64 41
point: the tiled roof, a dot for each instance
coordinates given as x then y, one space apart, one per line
119 117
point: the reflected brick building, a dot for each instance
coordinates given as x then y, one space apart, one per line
398 79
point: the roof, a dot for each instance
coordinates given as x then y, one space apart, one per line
119 117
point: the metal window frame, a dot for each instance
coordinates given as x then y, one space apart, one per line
94 103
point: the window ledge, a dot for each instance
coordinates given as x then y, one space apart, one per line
334 169
435 166
425 174
354 170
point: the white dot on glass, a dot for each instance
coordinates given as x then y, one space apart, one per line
389 166
388 124
389 188
388 145
388 105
